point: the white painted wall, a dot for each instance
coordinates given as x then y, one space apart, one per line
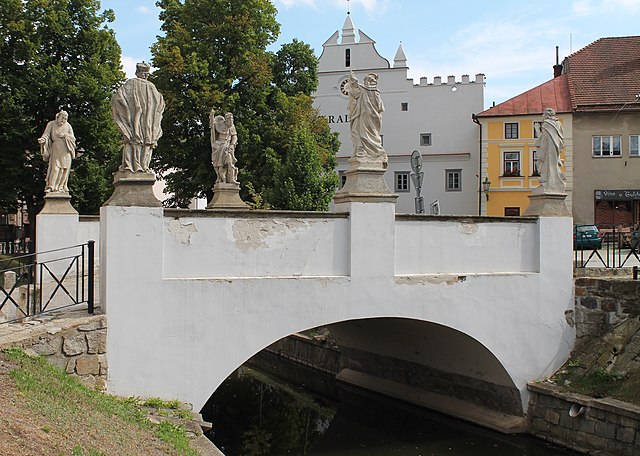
441 106
180 330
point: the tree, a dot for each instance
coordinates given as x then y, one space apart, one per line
214 54
56 54
296 68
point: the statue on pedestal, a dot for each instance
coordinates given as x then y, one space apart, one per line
223 146
58 147
137 109
550 143
365 118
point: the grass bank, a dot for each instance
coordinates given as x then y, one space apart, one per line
46 411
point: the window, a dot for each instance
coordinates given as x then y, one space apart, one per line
453 180
343 178
347 58
607 146
511 162
402 181
633 146
511 131
534 163
511 211
425 139
404 106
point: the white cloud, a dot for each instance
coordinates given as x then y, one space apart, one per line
582 7
144 9
369 6
630 5
129 65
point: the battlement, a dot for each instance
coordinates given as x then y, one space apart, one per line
451 80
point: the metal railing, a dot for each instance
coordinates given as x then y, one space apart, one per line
16 247
618 247
34 284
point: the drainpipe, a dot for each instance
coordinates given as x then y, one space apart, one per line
475 120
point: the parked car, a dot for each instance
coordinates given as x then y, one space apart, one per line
586 237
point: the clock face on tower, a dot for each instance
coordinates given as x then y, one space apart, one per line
343 87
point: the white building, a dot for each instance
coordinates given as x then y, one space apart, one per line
431 117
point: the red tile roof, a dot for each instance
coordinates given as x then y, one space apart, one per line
552 94
605 75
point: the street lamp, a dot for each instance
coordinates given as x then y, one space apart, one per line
485 187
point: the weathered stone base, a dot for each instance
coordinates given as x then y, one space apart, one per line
57 203
598 426
548 205
365 184
133 189
74 342
227 196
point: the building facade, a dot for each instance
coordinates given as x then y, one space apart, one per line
508 146
596 93
431 117
604 81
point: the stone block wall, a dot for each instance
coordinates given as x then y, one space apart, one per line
602 303
75 342
604 427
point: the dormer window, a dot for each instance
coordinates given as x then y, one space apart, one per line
347 58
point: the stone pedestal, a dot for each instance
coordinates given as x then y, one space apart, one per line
548 205
58 203
365 183
227 196
133 189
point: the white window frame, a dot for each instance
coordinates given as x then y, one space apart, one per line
504 159
600 151
402 181
534 163
425 139
517 124
634 149
448 185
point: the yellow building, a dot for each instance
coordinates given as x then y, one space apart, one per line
508 147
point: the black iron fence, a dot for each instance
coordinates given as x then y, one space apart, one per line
614 247
33 284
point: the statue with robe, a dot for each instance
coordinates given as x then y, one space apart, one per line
137 109
223 146
365 118
550 143
58 148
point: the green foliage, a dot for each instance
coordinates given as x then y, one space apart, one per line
56 54
295 68
214 54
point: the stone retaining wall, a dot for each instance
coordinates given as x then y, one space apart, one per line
602 303
308 352
75 342
603 427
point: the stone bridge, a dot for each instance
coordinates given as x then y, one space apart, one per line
453 313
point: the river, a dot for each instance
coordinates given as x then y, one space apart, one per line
257 413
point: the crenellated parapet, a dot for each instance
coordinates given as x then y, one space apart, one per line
450 80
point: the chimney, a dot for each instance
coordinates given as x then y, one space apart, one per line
557 68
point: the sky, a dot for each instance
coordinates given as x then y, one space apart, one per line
512 42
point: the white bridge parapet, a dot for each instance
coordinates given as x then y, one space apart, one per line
191 295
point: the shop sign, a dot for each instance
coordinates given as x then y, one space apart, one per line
617 195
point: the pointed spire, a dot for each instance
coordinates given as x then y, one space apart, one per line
348 31
400 60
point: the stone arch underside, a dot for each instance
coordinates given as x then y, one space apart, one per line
430 365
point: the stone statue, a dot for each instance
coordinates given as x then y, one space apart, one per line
223 146
58 147
137 109
365 117
550 143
